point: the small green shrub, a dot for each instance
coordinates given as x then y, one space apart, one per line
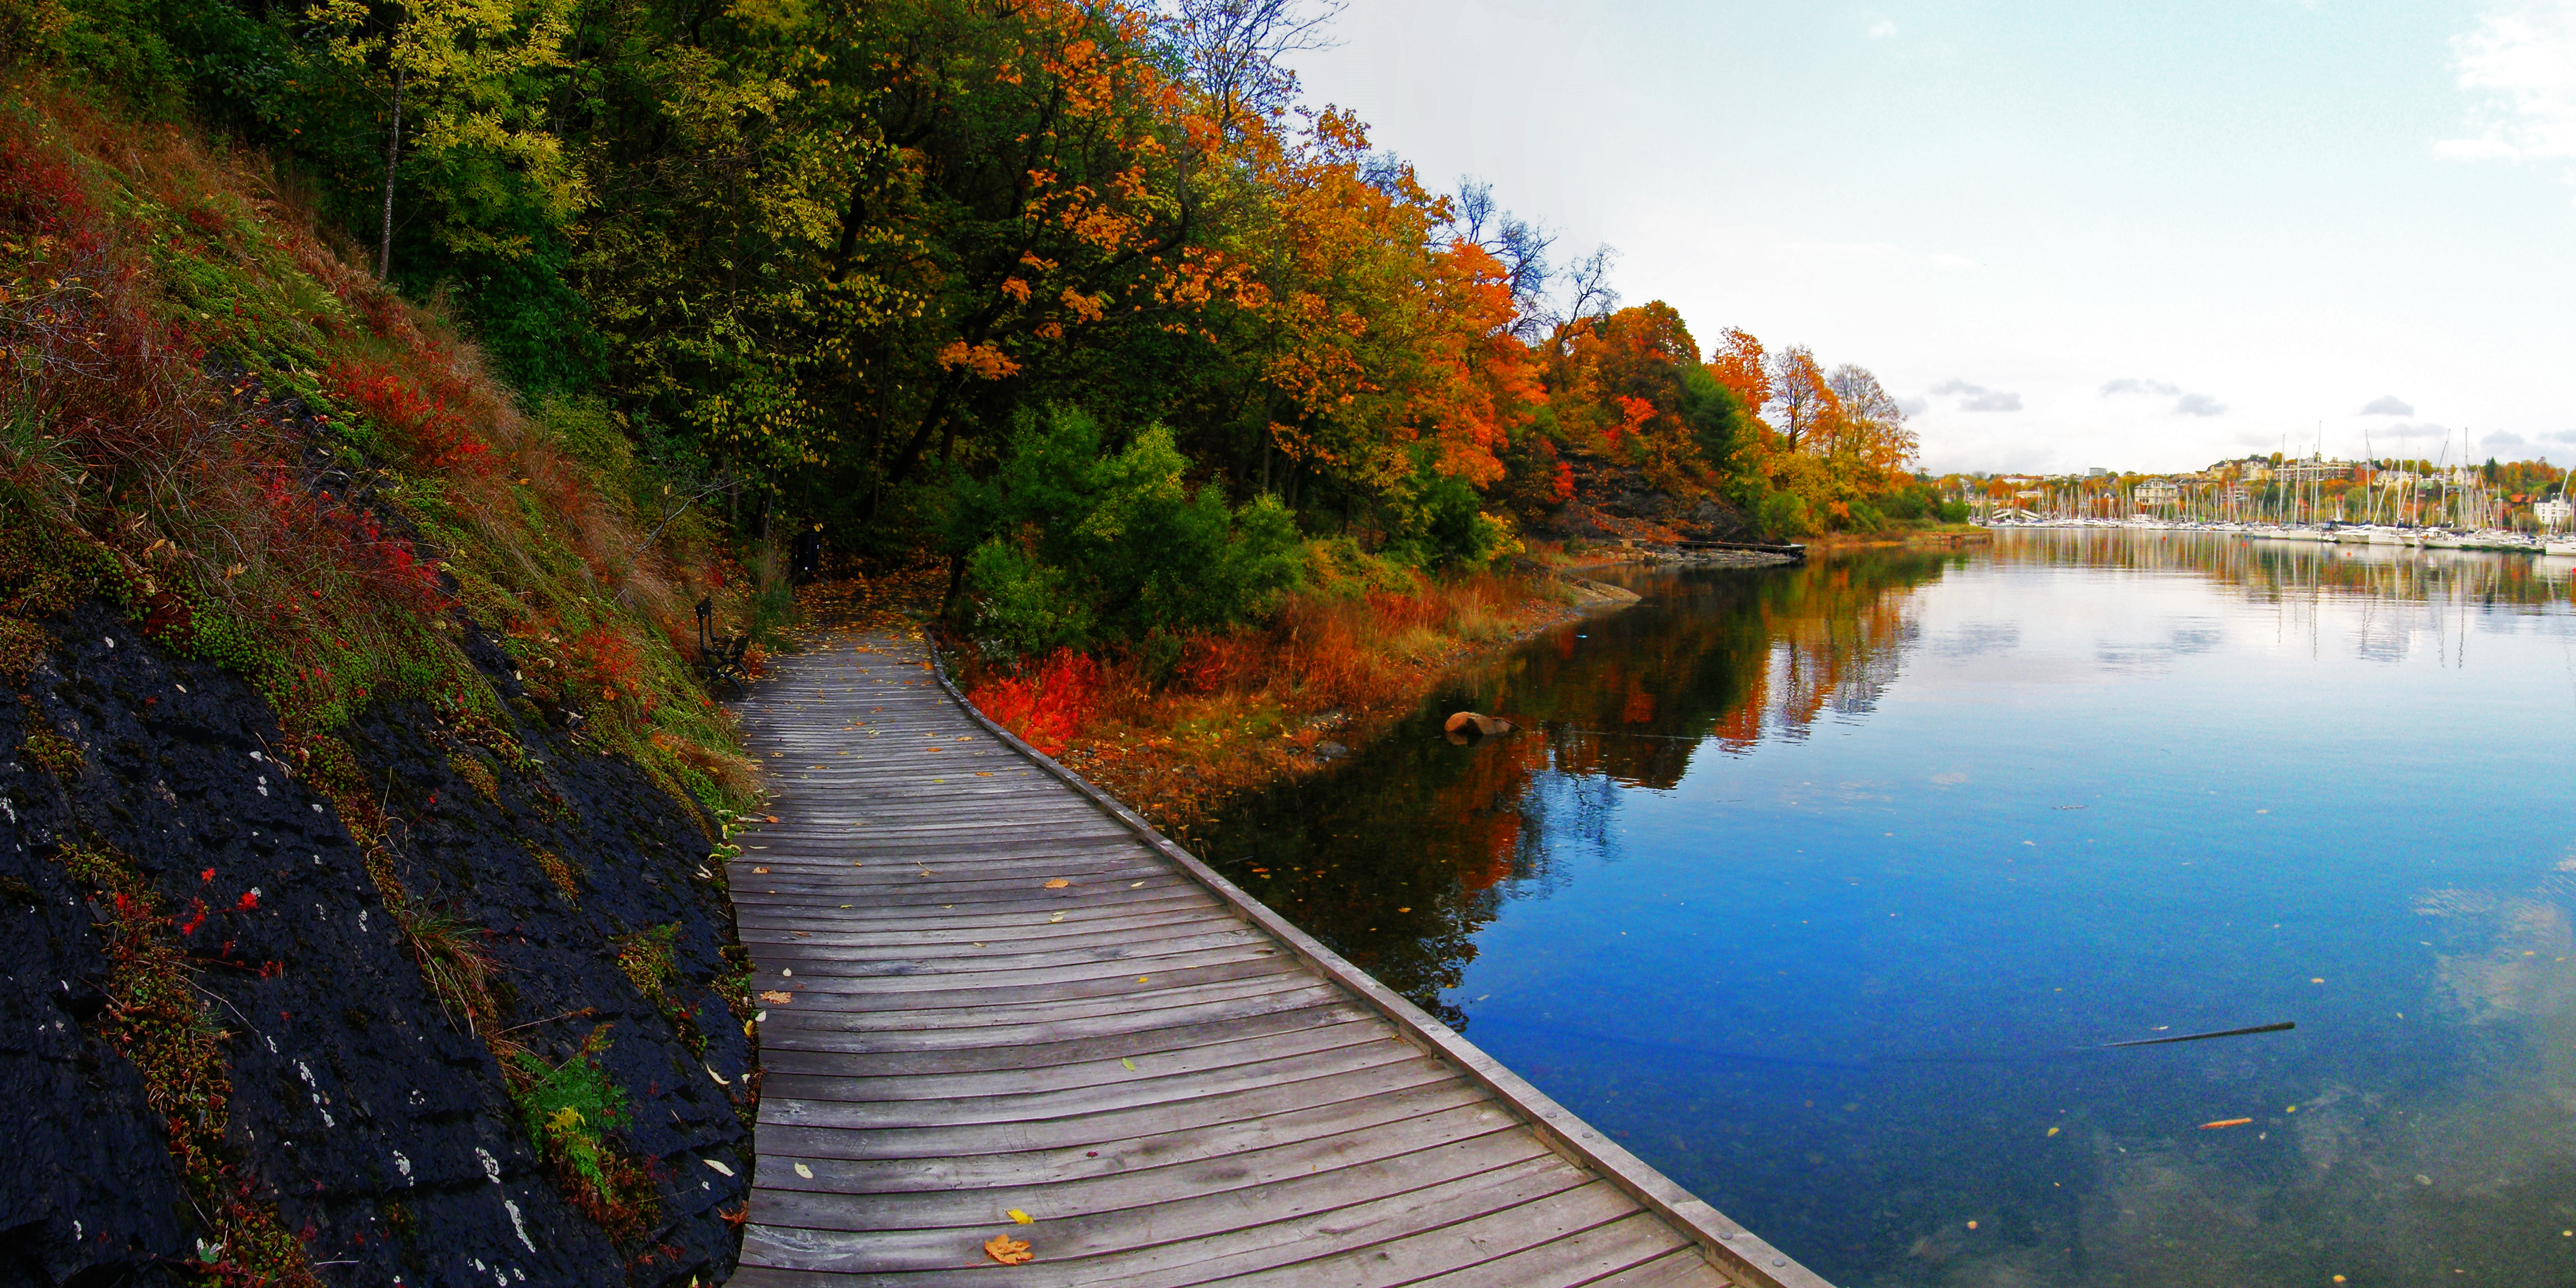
1785 514
1445 525
569 1109
1067 543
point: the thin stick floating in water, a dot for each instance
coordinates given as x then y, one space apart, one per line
2282 1027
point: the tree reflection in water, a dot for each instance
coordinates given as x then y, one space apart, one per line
1400 855
1820 873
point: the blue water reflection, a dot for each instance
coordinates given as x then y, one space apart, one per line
1820 881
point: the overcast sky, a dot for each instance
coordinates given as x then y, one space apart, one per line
2138 235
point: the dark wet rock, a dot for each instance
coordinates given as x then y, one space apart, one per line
1614 502
382 1132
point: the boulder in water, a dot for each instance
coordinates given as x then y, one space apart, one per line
1468 725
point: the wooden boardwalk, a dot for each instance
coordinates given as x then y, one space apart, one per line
1005 992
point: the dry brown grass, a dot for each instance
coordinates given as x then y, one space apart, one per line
1250 706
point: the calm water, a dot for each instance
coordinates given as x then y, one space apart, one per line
1814 881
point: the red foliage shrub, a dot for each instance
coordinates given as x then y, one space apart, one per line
1409 612
607 661
39 192
434 435
1046 705
1210 663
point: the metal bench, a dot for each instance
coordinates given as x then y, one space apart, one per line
720 656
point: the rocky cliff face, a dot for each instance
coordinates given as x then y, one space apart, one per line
206 1006
1613 501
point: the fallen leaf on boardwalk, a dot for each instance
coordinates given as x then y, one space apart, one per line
1131 1065
1057 883
775 998
804 1171
761 871
721 1169
1007 1250
774 818
1140 979
1056 917
1021 1217
2225 1122
2052 1131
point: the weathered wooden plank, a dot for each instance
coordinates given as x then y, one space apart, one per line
1188 1085
835 1084
1433 1249
914 977
1580 1258
917 885
1153 924
1058 1016
1389 1119
1389 1162
1131 1056
1339 1093
1287 994
1384 1197
812 961
963 991
1683 1269
769 893
1046 1050
1045 936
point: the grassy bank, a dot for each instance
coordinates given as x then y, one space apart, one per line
1172 727
219 425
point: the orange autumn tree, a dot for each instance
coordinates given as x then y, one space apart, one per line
1382 340
1630 386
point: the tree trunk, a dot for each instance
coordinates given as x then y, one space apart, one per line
393 154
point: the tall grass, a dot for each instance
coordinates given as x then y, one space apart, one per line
279 464
1163 725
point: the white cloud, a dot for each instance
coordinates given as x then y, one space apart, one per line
2476 150
2185 404
2387 405
1882 29
2519 68
1978 397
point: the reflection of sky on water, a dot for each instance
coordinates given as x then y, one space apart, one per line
1847 861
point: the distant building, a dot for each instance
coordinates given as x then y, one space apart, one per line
2156 492
2553 512
2315 470
2096 472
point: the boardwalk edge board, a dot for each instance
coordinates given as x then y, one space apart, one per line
1734 1250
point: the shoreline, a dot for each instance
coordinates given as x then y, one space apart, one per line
1192 752
1175 780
